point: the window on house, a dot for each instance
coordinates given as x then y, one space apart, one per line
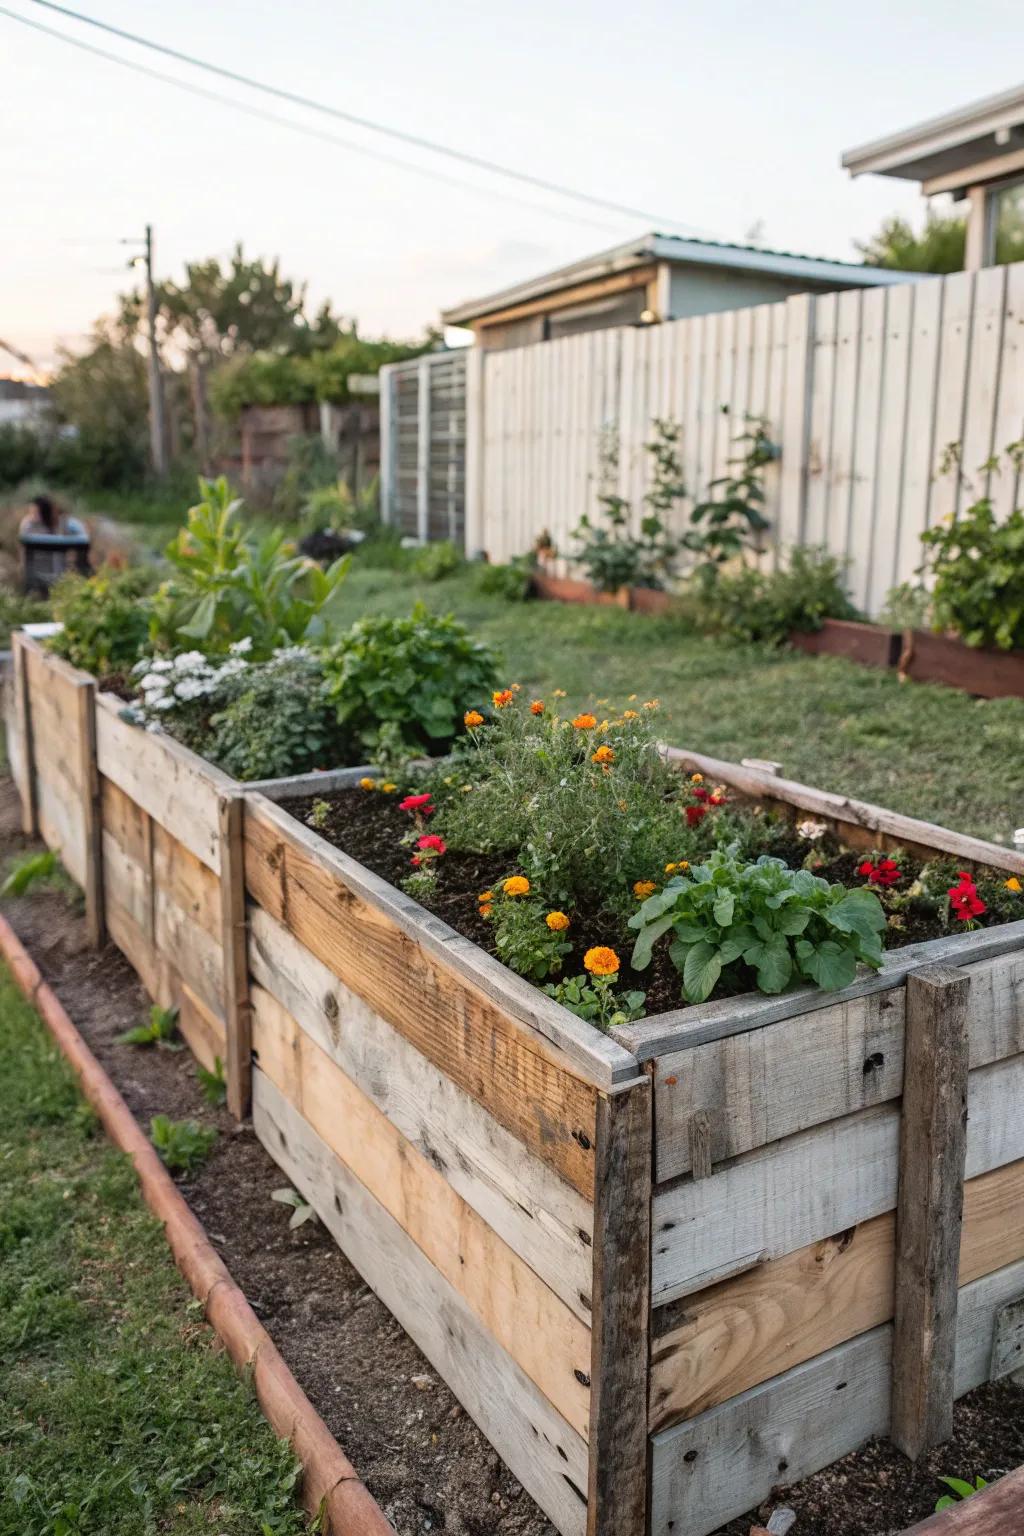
1006 223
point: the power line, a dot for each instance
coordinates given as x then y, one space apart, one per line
261 114
417 140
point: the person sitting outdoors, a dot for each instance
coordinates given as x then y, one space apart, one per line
52 542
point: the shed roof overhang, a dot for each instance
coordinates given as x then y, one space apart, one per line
978 142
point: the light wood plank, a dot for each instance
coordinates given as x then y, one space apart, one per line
187 881
768 1083
234 956
171 784
538 1213
92 816
954 356
547 1456
714 1467
531 1323
805 1188
919 446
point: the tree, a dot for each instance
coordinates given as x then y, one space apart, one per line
102 393
938 248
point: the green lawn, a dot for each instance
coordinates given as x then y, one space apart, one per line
920 749
118 1415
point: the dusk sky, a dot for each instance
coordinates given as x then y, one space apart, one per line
713 118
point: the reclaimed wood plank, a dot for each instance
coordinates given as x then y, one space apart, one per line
537 1212
714 1467
202 1030
171 784
833 1176
188 950
533 1325
234 956
617 1487
92 816
513 1072
929 1209
547 1456
189 883
732 1336
765 1084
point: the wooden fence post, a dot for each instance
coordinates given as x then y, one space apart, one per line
92 818
929 1212
234 947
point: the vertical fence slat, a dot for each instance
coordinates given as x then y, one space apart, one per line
796 419
1006 489
891 440
865 452
954 357
844 420
919 449
819 445
983 378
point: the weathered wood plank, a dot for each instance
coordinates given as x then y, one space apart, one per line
202 1030
833 1177
1008 1342
537 1212
547 1456
174 786
929 1209
714 1467
617 1489
996 1511
765 1084
190 952
732 1336
531 1323
60 823
92 818
234 956
514 1073
188 882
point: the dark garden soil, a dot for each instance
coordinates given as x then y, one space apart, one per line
419 1454
369 827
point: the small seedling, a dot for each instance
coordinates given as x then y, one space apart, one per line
160 1030
184 1145
33 867
319 816
302 1211
961 1490
213 1084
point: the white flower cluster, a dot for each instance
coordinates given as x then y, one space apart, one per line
811 831
167 684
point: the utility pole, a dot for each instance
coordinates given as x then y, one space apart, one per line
157 429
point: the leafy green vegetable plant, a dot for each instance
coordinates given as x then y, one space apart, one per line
524 941
228 587
734 920
25 873
184 1145
213 1084
302 1211
512 582
731 516
961 1490
160 1029
609 552
975 565
752 605
436 561
105 617
596 999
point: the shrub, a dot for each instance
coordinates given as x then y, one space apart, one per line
334 507
105 617
512 582
17 608
730 517
759 921
976 563
413 675
228 587
753 605
436 561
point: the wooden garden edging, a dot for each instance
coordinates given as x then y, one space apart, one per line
996 1511
664 1270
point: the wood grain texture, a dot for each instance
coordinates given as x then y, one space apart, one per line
514 1073
174 786
997 1511
235 956
547 1456
929 1209
714 1467
730 1337
532 1324
765 1084
537 1212
813 1185
92 817
617 1488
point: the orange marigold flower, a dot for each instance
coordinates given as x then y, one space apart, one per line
623 805
652 704
485 897
696 778
502 698
389 788
367 783
486 909
643 888
630 714
1014 885
678 866
472 718
604 754
601 961
537 707
516 885
585 722
557 922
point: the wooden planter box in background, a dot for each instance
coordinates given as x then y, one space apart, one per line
928 658
564 589
868 644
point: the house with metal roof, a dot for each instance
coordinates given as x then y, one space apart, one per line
974 152
657 277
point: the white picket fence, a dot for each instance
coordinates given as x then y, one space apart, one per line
862 390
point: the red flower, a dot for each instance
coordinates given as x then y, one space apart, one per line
695 813
701 794
964 899
882 872
416 861
416 803
434 843
716 799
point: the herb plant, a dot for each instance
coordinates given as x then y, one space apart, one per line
760 921
160 1029
731 517
184 1145
596 999
525 941
105 618
436 561
752 605
214 1085
975 564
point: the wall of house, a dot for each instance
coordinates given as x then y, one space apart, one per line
710 290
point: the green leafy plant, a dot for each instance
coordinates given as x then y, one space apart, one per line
960 1490
228 587
414 674
907 606
596 999
512 582
18 608
610 553
160 1029
105 617
301 1209
523 939
975 563
334 507
436 561
730 518
27 871
184 1145
732 920
752 605
275 719
213 1084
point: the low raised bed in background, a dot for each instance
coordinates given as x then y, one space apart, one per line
869 644
929 658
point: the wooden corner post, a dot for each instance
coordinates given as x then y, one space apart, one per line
234 947
92 816
929 1212
23 714
620 1341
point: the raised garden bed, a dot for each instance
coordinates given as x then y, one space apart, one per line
928 658
869 644
661 1267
